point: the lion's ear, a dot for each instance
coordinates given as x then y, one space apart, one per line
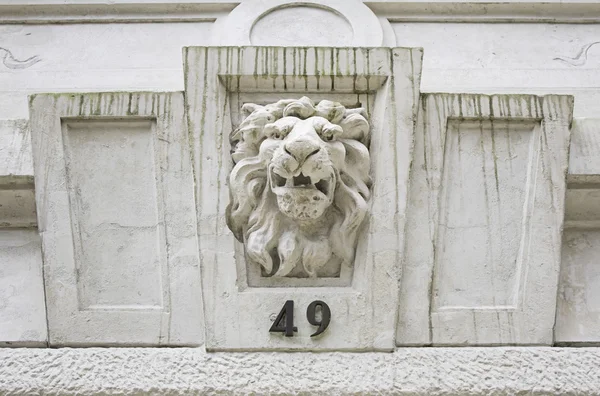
358 110
249 108
355 127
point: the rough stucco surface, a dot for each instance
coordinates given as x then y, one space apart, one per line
422 371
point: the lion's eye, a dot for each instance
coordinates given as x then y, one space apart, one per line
327 135
276 135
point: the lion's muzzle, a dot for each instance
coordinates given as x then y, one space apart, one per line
301 174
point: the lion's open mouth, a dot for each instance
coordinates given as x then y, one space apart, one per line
301 181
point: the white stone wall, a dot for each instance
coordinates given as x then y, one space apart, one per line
515 47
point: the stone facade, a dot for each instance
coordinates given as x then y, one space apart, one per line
251 179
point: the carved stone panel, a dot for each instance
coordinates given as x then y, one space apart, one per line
300 186
301 160
116 214
485 217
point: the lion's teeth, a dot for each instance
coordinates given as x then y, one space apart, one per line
314 180
289 182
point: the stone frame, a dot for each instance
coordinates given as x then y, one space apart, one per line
177 318
238 317
530 320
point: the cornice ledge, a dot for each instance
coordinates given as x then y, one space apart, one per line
112 11
506 11
136 11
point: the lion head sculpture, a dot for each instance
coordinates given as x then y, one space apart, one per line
299 186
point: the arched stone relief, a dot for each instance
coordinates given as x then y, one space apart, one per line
347 23
302 24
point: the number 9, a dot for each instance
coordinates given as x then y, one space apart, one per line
311 316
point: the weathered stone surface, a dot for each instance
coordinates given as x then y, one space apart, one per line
411 371
485 217
17 209
17 201
114 190
22 305
578 305
96 57
506 58
15 148
578 309
383 81
584 156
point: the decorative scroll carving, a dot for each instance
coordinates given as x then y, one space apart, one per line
300 186
11 62
581 58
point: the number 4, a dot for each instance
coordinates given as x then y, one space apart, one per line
284 323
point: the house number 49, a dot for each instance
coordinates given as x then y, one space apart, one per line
284 323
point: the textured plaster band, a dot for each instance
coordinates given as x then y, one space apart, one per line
422 371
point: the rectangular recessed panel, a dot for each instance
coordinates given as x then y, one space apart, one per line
486 211
483 205
112 184
115 204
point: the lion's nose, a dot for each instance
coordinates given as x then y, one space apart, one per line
301 149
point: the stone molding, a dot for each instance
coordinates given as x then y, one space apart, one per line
133 11
120 11
409 371
511 11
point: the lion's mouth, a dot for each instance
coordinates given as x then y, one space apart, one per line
301 181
